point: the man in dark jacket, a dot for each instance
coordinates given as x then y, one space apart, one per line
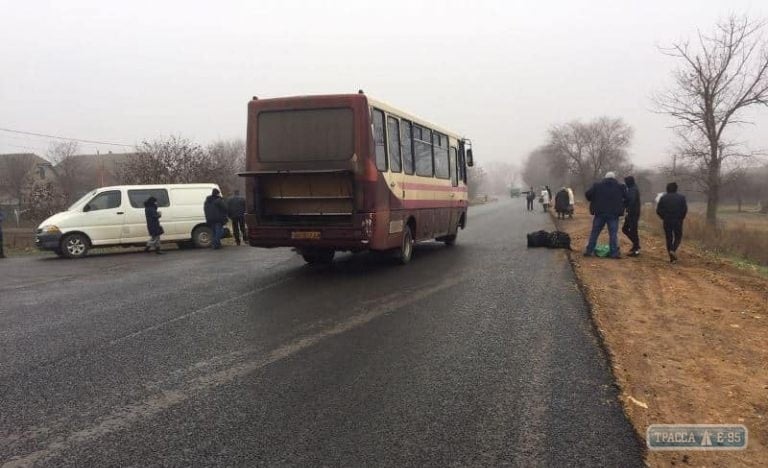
561 203
530 196
236 212
216 216
632 219
2 218
606 202
153 225
672 209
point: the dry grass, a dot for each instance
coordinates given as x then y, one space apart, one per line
733 237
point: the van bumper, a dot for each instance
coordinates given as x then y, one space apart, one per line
48 241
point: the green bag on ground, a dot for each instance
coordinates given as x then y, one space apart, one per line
602 250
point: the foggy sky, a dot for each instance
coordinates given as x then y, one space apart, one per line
499 72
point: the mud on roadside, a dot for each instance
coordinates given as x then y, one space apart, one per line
687 342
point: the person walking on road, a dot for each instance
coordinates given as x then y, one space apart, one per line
2 218
530 196
672 209
561 203
154 228
632 219
545 199
606 203
236 212
215 216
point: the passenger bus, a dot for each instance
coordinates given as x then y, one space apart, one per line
350 173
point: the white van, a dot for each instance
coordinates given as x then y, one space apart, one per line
114 216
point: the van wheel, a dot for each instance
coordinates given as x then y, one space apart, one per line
318 257
202 237
405 252
74 245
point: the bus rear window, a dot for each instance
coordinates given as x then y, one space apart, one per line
306 135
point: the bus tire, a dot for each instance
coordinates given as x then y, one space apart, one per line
405 251
318 257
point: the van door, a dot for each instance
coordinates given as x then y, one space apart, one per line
103 218
394 178
135 226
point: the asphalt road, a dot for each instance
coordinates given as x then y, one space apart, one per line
481 354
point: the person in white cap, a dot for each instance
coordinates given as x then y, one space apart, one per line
607 199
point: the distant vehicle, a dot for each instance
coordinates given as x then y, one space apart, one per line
349 173
514 192
114 216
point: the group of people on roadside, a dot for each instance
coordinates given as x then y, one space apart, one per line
609 200
564 200
217 212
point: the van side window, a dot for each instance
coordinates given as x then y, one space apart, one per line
106 201
137 197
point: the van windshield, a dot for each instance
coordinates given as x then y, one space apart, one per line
82 200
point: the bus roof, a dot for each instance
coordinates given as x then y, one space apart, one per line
409 116
374 102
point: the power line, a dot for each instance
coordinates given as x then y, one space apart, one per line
20 132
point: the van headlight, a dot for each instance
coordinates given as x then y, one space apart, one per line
50 229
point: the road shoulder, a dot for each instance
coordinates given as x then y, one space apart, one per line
686 341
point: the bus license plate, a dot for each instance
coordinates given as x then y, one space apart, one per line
305 235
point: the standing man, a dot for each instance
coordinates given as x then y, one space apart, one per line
672 209
530 196
153 225
216 216
236 212
571 202
2 218
606 202
633 216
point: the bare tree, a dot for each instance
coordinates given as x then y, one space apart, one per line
15 170
67 167
588 150
544 167
719 76
228 159
168 161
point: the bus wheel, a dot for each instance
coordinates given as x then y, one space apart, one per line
318 257
405 252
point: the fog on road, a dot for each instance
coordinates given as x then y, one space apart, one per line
477 354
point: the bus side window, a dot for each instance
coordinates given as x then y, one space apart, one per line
393 141
379 140
422 146
406 141
452 163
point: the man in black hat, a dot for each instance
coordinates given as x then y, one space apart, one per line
216 216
